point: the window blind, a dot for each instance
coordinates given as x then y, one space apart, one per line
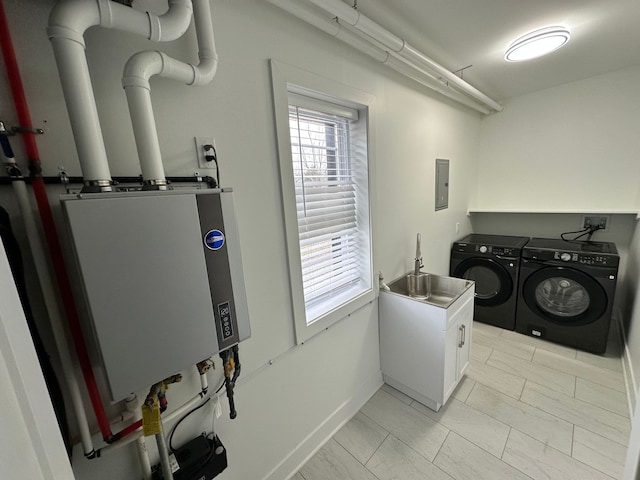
325 200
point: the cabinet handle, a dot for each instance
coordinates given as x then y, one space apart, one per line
462 330
464 334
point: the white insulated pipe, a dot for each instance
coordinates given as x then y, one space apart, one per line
67 24
143 458
188 405
83 113
133 407
369 28
76 16
136 82
412 54
163 451
374 50
146 134
331 27
428 80
50 296
204 383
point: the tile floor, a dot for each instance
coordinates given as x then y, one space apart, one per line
526 409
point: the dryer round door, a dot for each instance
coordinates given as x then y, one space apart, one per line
565 296
494 285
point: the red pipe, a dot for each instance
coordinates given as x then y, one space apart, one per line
46 217
127 430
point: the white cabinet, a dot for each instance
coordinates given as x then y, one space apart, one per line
425 348
457 348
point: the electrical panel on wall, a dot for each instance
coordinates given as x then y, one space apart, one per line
162 279
442 184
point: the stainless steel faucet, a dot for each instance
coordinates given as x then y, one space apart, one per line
418 262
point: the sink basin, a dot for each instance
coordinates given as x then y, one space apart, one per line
438 290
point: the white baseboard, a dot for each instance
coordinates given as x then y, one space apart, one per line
316 439
627 366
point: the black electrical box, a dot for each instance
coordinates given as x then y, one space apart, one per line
200 459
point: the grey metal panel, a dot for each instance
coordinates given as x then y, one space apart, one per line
216 248
145 279
442 183
235 264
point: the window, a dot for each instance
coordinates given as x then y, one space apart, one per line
325 178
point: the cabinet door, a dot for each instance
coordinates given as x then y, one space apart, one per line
458 347
451 360
464 346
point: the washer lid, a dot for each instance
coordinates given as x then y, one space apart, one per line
607 248
495 240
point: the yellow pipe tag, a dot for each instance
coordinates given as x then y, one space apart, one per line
151 419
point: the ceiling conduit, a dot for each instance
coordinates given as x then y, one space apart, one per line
400 56
400 46
330 26
67 24
137 73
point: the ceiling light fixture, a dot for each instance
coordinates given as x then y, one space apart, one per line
537 43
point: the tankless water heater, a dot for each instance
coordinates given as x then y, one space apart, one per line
162 279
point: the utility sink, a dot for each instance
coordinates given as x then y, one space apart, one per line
437 290
429 319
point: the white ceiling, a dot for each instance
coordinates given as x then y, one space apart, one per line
605 36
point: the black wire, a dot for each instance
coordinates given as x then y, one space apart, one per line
589 234
221 386
173 430
213 157
189 413
589 231
573 239
215 160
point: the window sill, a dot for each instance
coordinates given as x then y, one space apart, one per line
351 300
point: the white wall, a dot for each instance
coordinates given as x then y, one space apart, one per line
285 410
564 148
632 310
572 148
31 445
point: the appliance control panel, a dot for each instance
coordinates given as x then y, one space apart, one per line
594 259
487 250
499 251
505 251
581 258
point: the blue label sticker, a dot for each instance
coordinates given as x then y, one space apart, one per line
214 239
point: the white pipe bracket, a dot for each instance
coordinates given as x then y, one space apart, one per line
154 26
56 31
106 15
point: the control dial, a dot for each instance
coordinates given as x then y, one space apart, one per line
565 257
483 249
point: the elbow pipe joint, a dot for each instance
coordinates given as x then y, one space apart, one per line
173 24
205 71
141 67
71 18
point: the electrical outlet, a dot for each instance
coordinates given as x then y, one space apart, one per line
202 152
600 221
